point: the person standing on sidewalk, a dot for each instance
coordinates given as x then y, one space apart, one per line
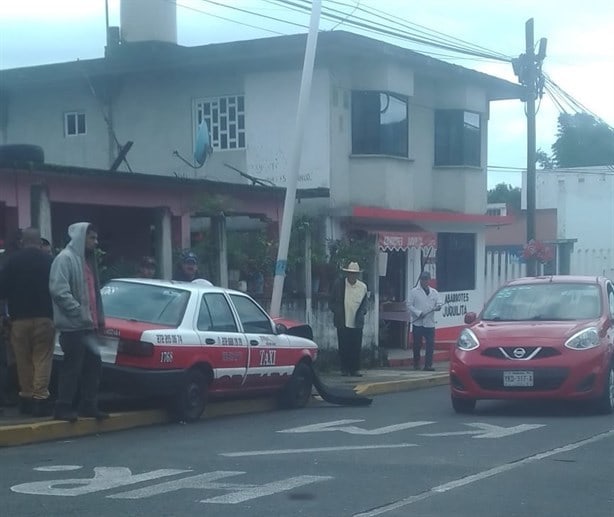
24 282
422 304
348 302
78 315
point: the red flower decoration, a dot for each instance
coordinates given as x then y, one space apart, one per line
537 250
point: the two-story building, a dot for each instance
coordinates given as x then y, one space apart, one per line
396 141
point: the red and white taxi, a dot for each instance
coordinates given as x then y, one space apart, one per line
539 338
185 341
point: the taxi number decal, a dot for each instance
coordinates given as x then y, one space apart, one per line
231 356
169 339
232 341
166 357
267 357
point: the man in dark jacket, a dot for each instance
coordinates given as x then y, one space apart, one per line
24 282
78 315
348 302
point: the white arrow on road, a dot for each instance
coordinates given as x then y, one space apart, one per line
342 425
490 431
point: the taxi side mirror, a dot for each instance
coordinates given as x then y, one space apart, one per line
470 317
280 328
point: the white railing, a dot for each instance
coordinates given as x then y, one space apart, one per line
501 267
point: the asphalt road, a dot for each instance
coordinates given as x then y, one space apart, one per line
407 454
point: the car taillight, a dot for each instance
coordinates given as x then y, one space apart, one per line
140 348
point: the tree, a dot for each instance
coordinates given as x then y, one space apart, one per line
582 141
544 160
505 193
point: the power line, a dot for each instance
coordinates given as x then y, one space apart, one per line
364 24
187 7
388 17
247 11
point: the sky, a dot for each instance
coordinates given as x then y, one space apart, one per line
580 51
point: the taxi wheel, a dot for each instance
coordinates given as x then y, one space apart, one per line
297 391
463 406
605 404
191 399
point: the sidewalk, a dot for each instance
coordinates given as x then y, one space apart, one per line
16 429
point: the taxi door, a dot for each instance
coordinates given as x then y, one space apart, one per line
225 347
269 362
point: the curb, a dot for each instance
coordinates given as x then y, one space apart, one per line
49 430
381 388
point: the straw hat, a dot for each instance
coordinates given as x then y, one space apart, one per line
353 267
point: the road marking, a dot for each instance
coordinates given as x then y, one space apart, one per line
446 487
342 425
316 449
238 492
104 478
268 489
490 431
58 468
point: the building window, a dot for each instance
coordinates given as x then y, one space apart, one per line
457 138
225 117
379 123
456 262
74 123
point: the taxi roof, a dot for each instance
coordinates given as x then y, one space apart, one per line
199 285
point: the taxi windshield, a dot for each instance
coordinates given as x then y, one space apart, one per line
544 302
145 303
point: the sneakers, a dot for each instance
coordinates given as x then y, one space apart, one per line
429 369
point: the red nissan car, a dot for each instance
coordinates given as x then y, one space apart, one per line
539 338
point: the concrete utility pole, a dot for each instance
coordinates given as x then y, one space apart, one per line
528 68
295 159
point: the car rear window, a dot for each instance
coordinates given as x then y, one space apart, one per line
143 302
544 302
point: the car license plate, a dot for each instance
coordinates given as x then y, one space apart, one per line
517 378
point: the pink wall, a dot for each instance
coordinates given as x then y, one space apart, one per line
515 233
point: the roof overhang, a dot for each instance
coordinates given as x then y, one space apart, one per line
416 217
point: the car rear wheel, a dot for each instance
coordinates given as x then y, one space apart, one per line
463 406
297 391
605 403
189 403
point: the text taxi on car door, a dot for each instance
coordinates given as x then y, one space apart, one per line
186 341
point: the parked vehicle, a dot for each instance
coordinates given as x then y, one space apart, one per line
187 341
539 338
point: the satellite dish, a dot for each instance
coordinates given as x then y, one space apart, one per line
203 144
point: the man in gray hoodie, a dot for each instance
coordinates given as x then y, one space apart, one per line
79 317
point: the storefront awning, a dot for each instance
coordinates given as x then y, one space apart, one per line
397 241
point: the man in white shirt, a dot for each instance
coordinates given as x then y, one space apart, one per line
348 302
423 302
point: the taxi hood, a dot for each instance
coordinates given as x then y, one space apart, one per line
499 331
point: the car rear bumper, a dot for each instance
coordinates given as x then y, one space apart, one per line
136 381
580 380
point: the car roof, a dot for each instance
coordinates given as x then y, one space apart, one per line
558 279
196 287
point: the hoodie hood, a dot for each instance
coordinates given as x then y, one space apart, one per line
77 233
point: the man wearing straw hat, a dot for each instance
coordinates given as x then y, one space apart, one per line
348 302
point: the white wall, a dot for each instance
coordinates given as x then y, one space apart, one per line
270 113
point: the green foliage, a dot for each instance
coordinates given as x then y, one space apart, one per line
356 246
583 141
296 249
544 160
505 193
